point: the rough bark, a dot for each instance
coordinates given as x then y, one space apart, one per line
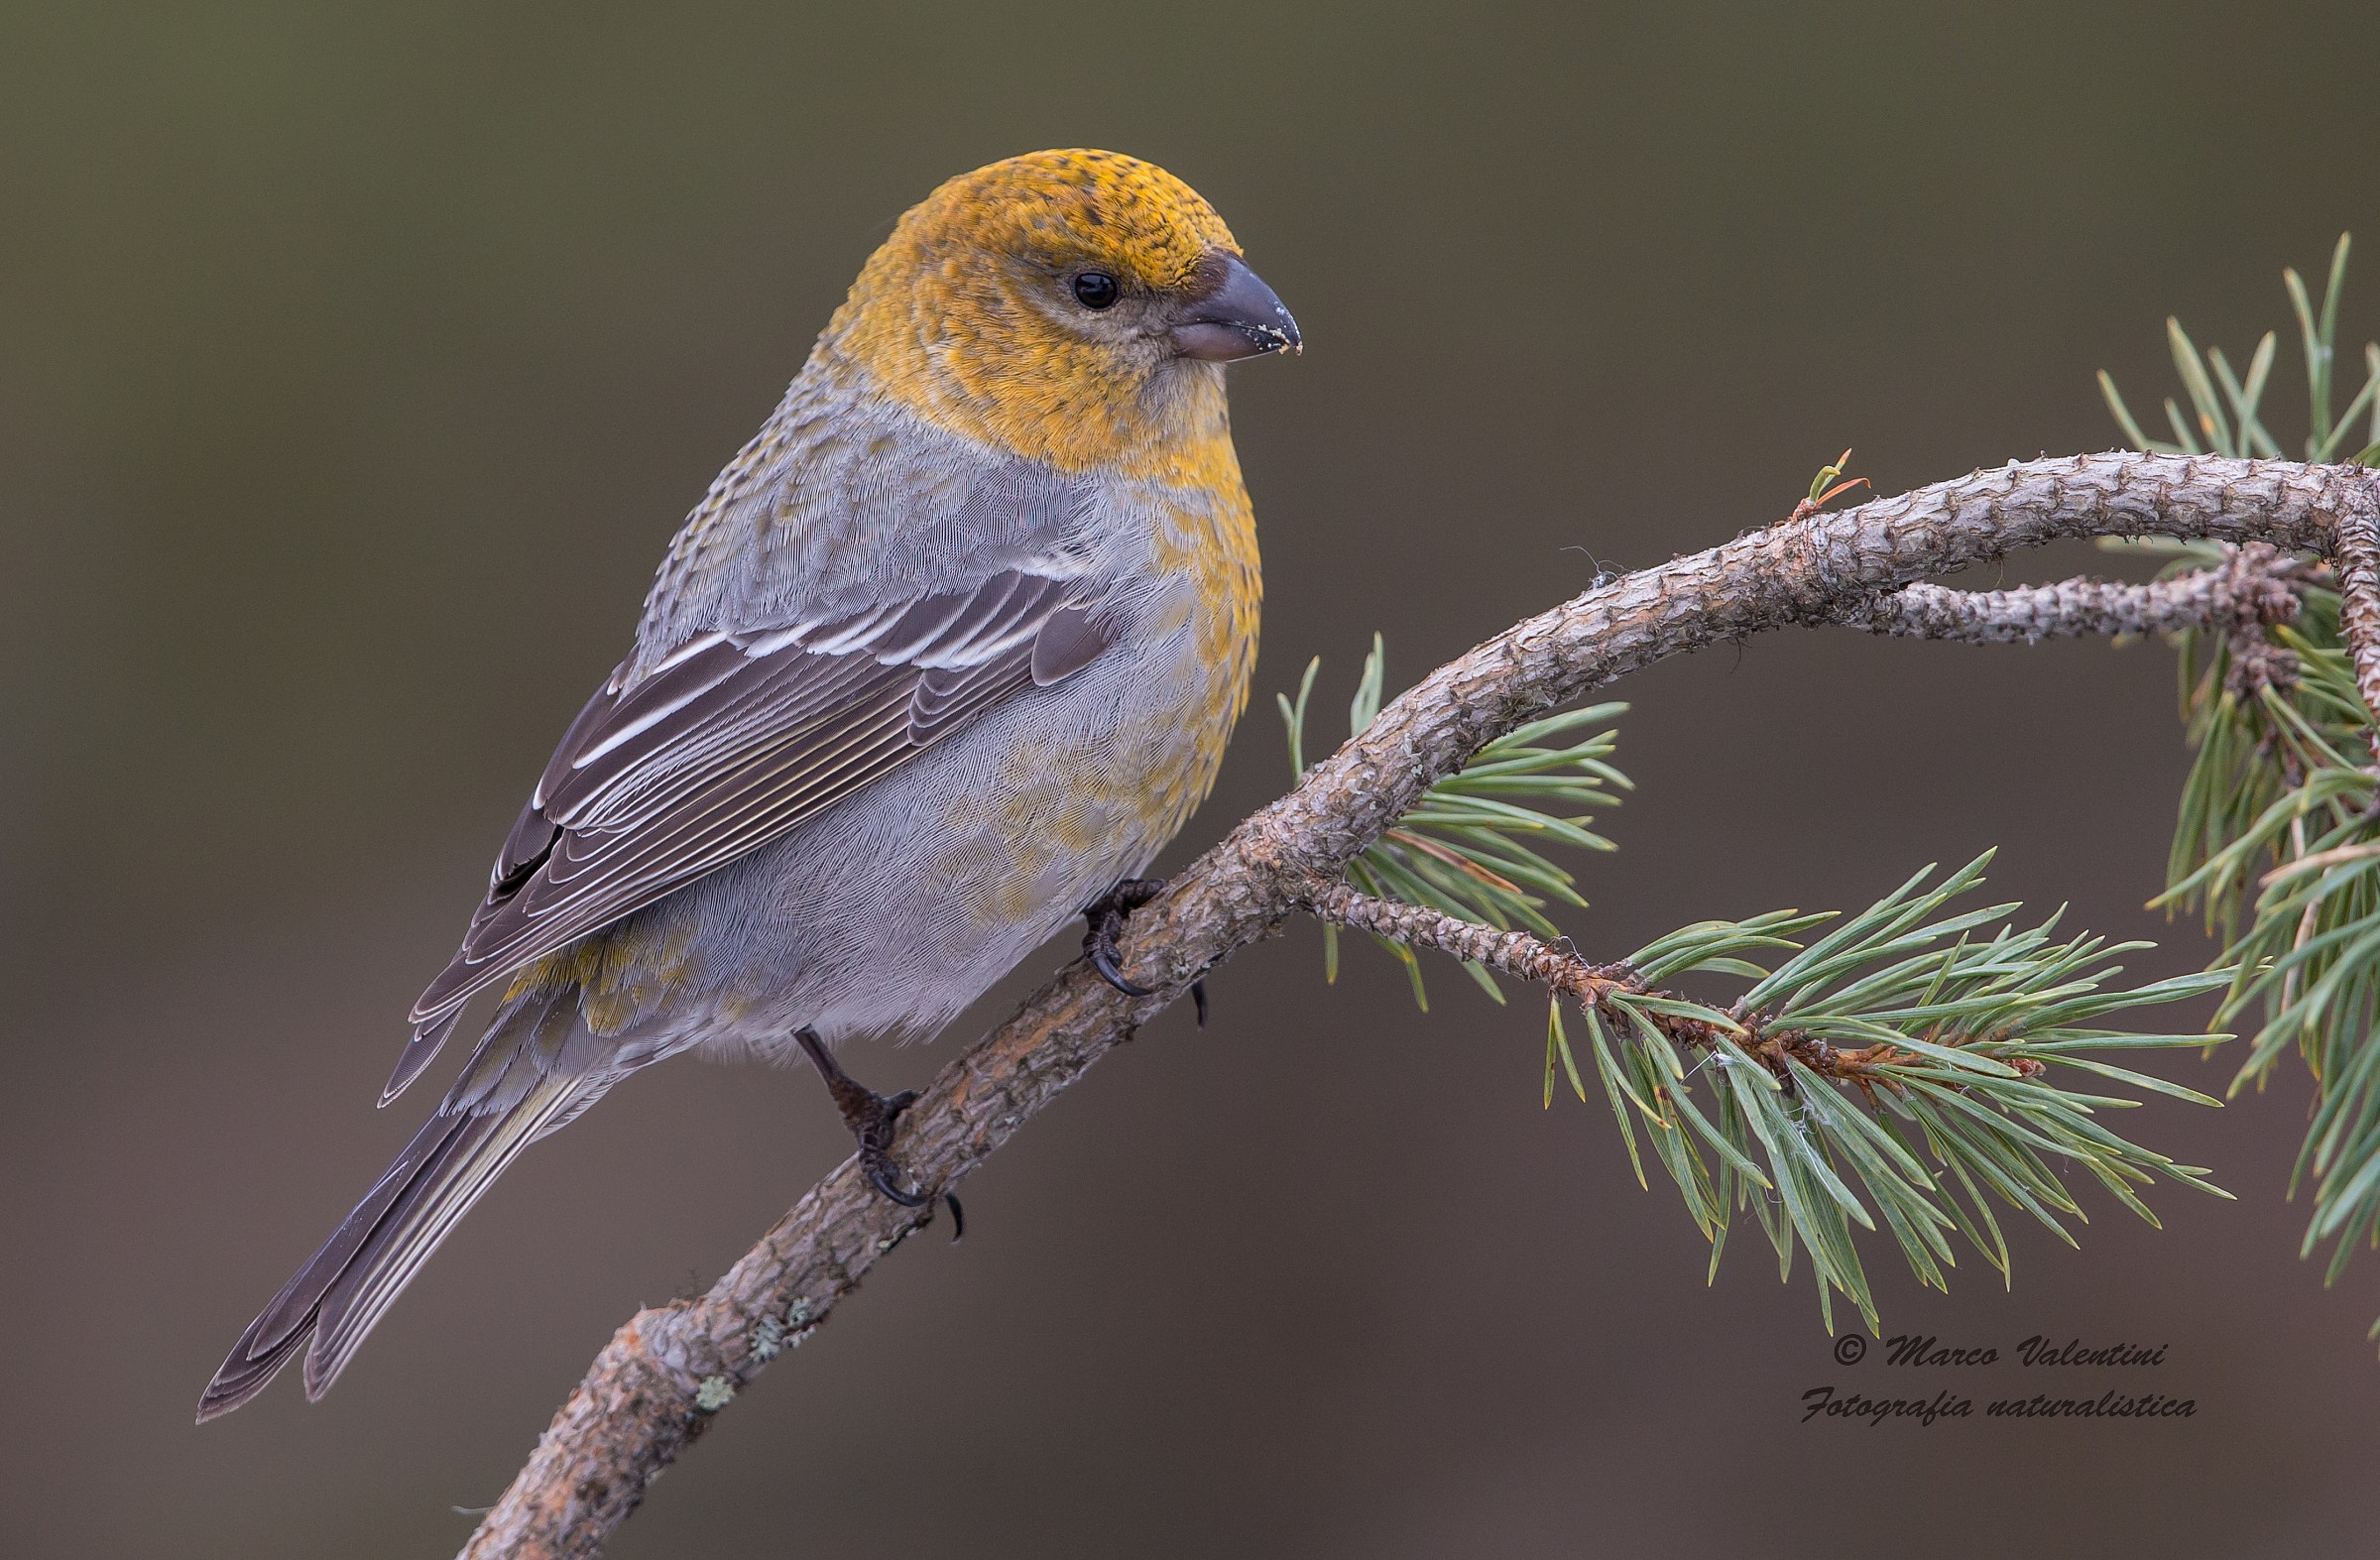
1515 953
1528 958
2251 589
662 1377
2359 552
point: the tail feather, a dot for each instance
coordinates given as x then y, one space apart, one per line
338 1297
363 1293
249 1371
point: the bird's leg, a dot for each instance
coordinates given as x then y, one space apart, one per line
1106 916
869 1116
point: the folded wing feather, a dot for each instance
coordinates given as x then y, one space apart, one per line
730 743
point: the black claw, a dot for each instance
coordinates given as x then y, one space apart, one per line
958 1219
1105 915
879 1176
872 1117
1101 945
1198 999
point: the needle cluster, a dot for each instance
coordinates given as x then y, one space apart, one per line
2277 844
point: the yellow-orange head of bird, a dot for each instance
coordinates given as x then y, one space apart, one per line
1068 307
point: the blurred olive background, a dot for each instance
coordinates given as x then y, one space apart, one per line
354 366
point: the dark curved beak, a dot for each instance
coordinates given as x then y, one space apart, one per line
1235 316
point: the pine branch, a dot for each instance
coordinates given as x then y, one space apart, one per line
1877 1056
1470 849
2253 587
2358 551
2282 720
1515 953
670 1370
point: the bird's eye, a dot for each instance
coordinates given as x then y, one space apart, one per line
1095 289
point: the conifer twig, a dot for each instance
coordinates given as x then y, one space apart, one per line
1529 958
670 1369
1518 954
2255 586
1898 1064
2359 550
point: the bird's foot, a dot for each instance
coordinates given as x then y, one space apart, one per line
872 1117
1106 916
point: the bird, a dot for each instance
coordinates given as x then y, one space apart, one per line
943 658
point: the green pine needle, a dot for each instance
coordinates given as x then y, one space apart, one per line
2222 417
1474 846
1950 1044
2278 826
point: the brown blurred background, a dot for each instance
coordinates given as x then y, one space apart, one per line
354 366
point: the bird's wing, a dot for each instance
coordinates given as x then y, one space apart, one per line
731 742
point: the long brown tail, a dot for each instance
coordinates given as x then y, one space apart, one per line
348 1286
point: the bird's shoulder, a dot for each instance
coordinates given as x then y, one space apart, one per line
847 501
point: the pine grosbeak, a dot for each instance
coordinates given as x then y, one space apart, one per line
950 648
